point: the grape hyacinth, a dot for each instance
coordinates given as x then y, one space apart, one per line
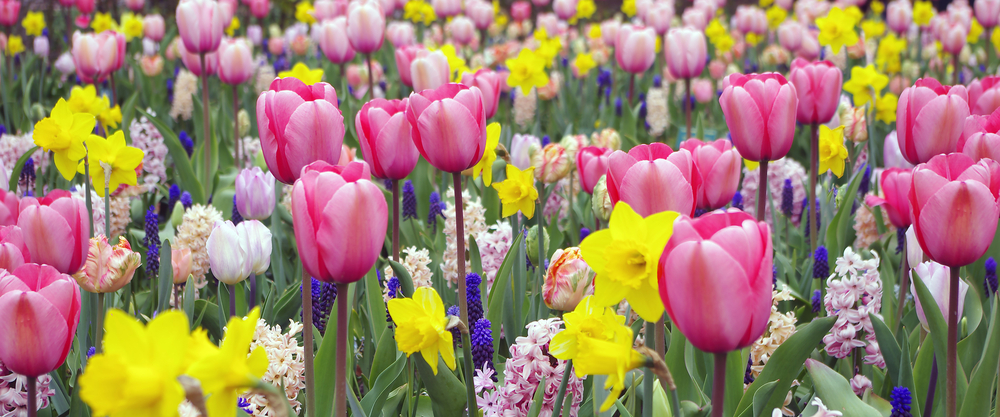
748 374
900 400
409 201
821 263
474 299
737 201
235 216
817 300
186 200
584 232
323 296
787 194
186 142
990 281
866 180
436 208
27 179
244 405
482 345
456 335
900 238
175 196
152 242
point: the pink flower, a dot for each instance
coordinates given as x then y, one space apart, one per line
153 27
333 40
404 57
635 48
592 164
899 15
717 167
984 95
13 252
401 34
9 12
365 26
39 311
937 278
98 55
895 185
488 82
448 126
685 51
760 111
567 280
384 135
108 268
429 70
651 178
56 230
930 118
235 61
200 23
817 85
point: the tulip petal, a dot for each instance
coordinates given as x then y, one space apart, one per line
450 135
352 230
652 187
938 126
48 236
34 332
745 121
314 132
959 210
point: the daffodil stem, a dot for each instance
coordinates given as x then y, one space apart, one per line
114 91
206 124
719 385
557 410
99 336
307 320
107 212
90 202
340 397
904 282
659 332
951 376
647 375
395 220
762 191
32 395
811 192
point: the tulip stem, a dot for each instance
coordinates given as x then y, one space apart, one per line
232 299
762 191
904 281
32 395
114 91
719 383
687 106
557 411
951 395
463 303
371 84
236 128
931 388
395 220
661 337
631 88
340 398
100 323
307 320
954 74
206 124
813 178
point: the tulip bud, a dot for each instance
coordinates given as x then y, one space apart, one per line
180 261
855 125
601 202
551 164
532 244
108 268
567 280
937 278
258 245
255 193
41 46
177 215
243 119
227 253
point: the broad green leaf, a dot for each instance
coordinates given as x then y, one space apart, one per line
386 381
979 396
165 277
836 392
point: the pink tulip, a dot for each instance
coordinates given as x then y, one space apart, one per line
13 251
717 167
180 262
592 164
109 267
937 278
39 311
895 185
659 16
229 252
651 178
790 35
153 27
567 280
984 95
83 6
463 31
8 207
899 15
685 51
703 90
696 18
641 7
200 24
429 70
276 45
401 34
447 8
488 82
809 50
635 48
135 5
891 155
715 279
384 135
365 26
329 9
10 10
228 9
987 12
235 61
609 32
56 230
254 194
481 14
404 57
817 85
298 124
751 19
983 141
448 125
98 55
540 3
930 118
255 34
333 40
260 8
192 61
954 209
551 23
760 111
520 11
340 220
565 9
953 37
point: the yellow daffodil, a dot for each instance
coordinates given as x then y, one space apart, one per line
63 133
715 29
765 3
14 45
864 82
111 153
85 100
304 74
889 52
419 11
225 373
753 39
975 32
873 28
751 165
548 48
102 22
723 43
584 10
628 7
131 26
885 108
594 32
583 63
832 151
995 39
923 12
855 13
136 374
517 192
836 29
485 164
110 117
587 320
658 44
776 15
421 326
526 71
33 23
304 12
625 257
877 6
234 25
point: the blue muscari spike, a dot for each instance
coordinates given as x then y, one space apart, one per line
817 302
900 399
482 345
186 200
152 241
409 201
821 264
737 201
584 232
436 208
990 282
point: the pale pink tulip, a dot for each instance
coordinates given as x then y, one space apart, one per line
429 70
817 85
98 55
333 40
685 50
235 61
365 26
200 23
635 48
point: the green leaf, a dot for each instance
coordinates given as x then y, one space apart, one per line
189 300
182 164
939 328
895 360
405 281
447 393
326 363
686 388
384 383
979 396
499 290
840 231
287 307
762 396
211 313
538 399
376 307
836 392
165 277
16 175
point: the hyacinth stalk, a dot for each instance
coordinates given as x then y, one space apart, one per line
307 338
205 121
463 303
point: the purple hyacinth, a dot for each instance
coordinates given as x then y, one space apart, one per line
900 238
787 194
618 106
584 232
244 405
436 209
235 217
990 283
175 196
821 264
546 140
698 212
482 346
393 287
323 296
817 301
737 201
152 242
474 299
456 335
900 399
27 179
748 374
186 142
186 200
866 180
409 201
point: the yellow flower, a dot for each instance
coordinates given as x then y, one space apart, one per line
226 372
304 74
765 3
517 192
889 50
864 82
63 133
102 22
723 43
753 39
304 12
594 32
584 10
855 13
33 23
14 45
885 108
975 31
111 153
419 11
776 15
715 29
583 63
526 71
421 327
836 29
751 165
625 257
923 12
873 28
586 320
628 7
136 374
234 25
832 151
548 48
995 39
485 164
131 26
85 100
877 6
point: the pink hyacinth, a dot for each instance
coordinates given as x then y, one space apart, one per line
853 294
529 364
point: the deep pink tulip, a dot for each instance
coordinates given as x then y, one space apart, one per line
13 251
340 221
84 6
448 126
520 10
192 61
401 34
898 16
488 82
365 26
987 12
954 208
404 57
153 27
200 24
984 95
463 31
481 14
715 279
10 10
384 135
39 311
429 70
260 8
635 48
235 61
8 208
790 35
983 140
760 111
98 55
659 16
685 50
592 164
135 5
930 118
717 167
298 124
895 185
565 9
333 40
56 230
817 85
651 178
